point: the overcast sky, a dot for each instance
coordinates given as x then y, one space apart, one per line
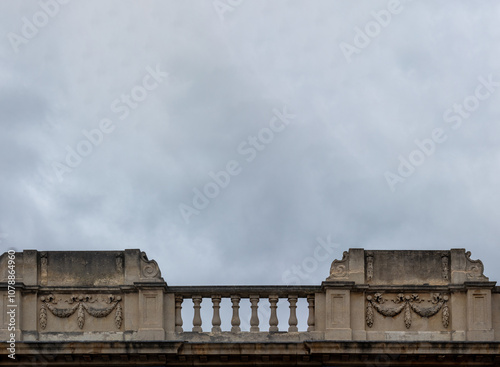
225 137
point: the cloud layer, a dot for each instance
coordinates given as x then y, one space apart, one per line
229 68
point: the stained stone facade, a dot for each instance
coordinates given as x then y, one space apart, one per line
113 307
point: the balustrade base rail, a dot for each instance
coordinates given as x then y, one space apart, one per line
229 337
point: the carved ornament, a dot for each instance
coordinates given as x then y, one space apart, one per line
340 268
96 306
43 267
445 266
369 267
149 268
407 303
119 263
474 268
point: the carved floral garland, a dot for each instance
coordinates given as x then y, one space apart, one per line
407 303
81 304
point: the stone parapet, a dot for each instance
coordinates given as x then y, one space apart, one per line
369 295
407 267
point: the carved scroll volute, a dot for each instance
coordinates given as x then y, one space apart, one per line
149 268
340 268
474 269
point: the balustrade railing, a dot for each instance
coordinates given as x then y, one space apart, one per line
254 294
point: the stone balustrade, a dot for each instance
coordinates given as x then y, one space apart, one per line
215 294
367 296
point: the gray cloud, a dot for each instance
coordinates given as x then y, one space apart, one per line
322 175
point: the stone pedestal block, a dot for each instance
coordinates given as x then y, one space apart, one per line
338 315
479 323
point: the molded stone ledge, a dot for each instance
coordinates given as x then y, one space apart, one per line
481 335
458 335
83 336
485 284
245 336
151 334
416 336
338 334
366 353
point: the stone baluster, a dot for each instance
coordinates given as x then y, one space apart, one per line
235 320
178 314
216 317
292 321
254 320
197 316
310 319
273 320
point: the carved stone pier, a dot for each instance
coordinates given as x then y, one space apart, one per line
114 308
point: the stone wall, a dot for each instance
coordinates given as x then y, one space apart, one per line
412 295
369 296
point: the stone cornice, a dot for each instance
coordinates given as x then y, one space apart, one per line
182 353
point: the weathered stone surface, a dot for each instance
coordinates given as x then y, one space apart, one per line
84 268
370 298
407 267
